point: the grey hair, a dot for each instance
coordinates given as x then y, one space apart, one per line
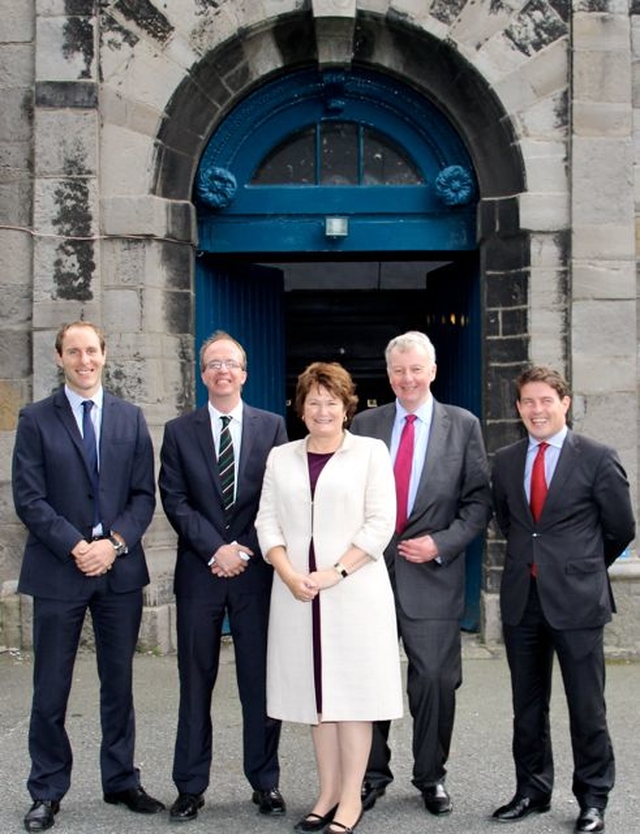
408 341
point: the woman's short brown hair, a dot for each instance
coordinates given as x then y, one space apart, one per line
332 376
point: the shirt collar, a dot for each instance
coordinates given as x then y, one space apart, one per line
424 413
235 413
76 400
555 440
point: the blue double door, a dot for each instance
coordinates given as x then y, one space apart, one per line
359 148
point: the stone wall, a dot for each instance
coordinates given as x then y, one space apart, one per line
106 108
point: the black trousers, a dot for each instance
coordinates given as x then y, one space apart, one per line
199 622
434 673
530 649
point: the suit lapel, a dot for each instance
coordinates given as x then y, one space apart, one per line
433 464
249 417
384 423
65 415
566 462
204 439
515 474
440 425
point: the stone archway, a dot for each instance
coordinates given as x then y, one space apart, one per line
119 131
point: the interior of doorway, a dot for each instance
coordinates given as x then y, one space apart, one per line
347 311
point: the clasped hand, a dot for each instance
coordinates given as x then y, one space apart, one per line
94 558
227 561
306 587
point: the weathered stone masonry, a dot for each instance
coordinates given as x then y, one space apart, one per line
106 107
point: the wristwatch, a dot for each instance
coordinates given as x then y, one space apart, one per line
340 569
120 548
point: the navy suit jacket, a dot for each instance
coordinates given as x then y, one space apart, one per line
53 494
453 505
586 522
192 497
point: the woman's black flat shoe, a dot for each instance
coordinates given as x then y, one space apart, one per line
339 827
314 822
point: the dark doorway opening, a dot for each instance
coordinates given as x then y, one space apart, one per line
288 314
347 312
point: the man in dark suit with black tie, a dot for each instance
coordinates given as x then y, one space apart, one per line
444 503
212 467
83 485
562 502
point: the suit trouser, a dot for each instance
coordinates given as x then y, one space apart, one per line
434 673
57 625
199 624
530 648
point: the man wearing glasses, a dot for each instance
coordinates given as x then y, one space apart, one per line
212 466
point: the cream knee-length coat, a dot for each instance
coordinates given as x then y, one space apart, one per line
354 505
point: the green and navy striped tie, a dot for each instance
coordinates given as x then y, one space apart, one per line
226 465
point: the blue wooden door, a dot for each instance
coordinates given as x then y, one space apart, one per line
357 146
453 323
245 300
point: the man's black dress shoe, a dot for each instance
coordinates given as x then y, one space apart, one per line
590 819
136 799
436 800
41 814
520 807
269 802
370 793
314 822
186 807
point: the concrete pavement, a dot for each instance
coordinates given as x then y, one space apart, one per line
480 767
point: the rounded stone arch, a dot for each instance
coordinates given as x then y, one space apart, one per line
416 57
439 72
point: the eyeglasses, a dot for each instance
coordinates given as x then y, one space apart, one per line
227 364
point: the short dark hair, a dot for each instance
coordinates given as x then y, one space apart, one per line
332 376
540 373
65 327
219 336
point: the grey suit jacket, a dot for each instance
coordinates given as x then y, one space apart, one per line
586 522
53 494
453 505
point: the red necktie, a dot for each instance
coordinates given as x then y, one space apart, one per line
538 482
402 470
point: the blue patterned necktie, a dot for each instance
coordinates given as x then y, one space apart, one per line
90 448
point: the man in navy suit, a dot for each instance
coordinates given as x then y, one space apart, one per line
84 487
562 501
220 570
448 505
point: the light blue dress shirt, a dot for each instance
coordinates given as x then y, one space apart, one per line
422 427
75 401
550 458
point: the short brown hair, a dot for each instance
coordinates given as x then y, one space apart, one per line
65 327
219 336
540 373
332 376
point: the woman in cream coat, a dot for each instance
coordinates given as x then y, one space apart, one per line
333 659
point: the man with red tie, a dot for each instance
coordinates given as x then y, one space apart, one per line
562 502
444 502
